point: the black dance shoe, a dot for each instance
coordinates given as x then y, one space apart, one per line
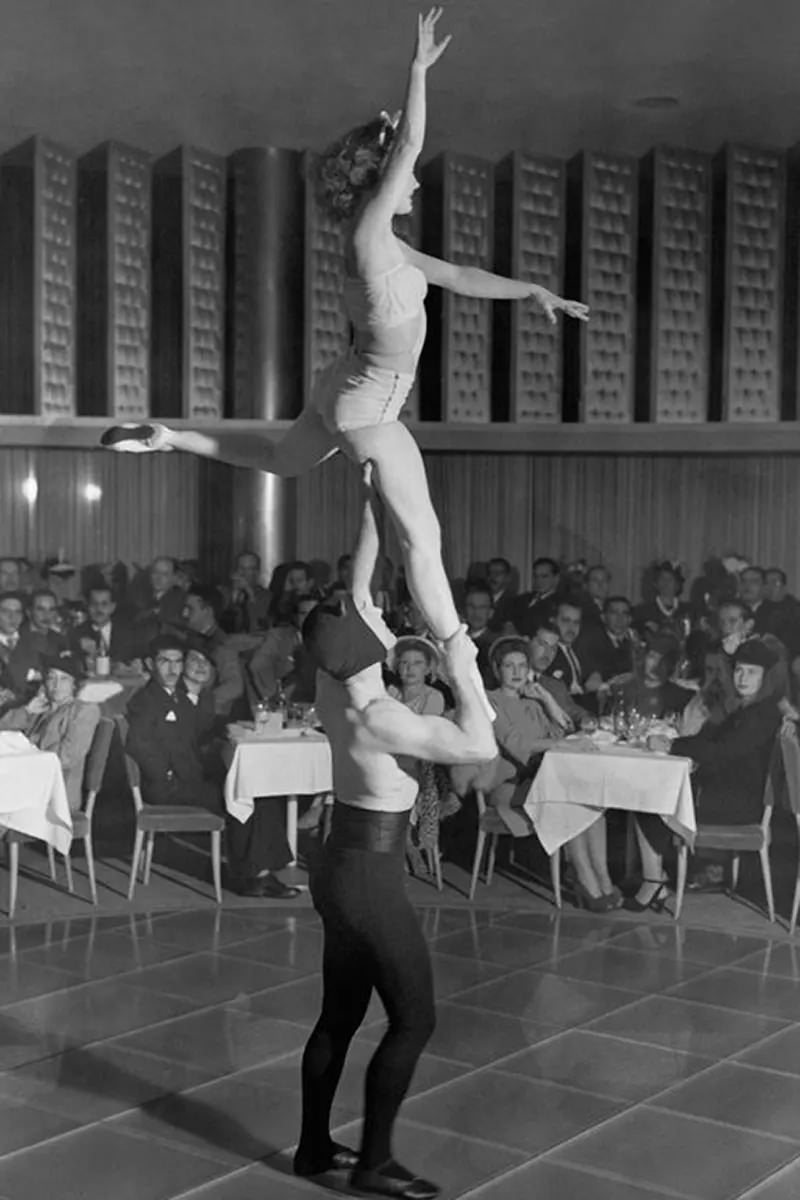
337 1158
393 1180
136 439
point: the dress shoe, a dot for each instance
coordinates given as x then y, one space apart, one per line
656 903
393 1180
337 1158
265 887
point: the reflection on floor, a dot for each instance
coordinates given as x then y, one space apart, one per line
145 1057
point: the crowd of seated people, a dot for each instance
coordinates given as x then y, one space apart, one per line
555 658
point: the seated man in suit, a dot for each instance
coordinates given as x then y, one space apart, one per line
247 601
170 737
529 608
39 629
201 611
501 589
105 633
566 665
544 647
20 660
280 660
610 655
478 614
55 720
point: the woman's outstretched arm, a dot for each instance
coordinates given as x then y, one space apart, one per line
474 281
376 216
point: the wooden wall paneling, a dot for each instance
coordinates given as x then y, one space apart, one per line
37 283
750 231
189 218
601 271
675 285
530 229
458 225
326 328
114 265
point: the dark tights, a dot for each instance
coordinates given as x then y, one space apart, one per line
372 940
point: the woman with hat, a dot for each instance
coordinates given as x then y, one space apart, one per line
57 721
732 759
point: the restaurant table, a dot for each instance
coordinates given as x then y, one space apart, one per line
291 763
33 798
579 779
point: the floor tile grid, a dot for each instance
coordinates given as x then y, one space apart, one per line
556 1153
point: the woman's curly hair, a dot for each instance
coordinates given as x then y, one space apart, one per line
352 166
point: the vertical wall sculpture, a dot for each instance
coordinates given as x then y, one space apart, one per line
530 224
326 330
749 233
458 224
114 263
37 279
601 270
188 336
675 286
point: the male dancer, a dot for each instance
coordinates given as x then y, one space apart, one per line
372 936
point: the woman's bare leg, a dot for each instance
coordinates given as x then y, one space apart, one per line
306 444
596 846
399 474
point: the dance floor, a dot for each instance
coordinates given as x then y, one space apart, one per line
152 1056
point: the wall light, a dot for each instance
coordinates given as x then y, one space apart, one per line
92 492
30 489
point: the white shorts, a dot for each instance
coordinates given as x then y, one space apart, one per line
350 395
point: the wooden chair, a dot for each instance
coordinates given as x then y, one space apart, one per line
167 818
94 771
492 826
738 839
784 780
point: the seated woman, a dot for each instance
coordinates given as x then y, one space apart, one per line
414 662
56 720
652 690
528 721
732 759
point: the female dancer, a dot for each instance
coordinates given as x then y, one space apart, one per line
365 180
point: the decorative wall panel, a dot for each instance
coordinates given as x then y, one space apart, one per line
675 303
114 263
530 223
189 197
326 328
603 214
458 225
750 218
37 280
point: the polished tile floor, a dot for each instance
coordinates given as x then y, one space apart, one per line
154 1056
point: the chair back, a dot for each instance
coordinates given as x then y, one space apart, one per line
96 761
132 772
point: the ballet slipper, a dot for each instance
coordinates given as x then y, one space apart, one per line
336 1158
136 439
392 1180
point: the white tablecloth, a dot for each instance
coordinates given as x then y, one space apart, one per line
33 799
577 781
292 763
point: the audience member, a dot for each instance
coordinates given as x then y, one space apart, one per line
201 610
40 630
10 575
280 663
544 646
652 691
665 612
529 608
478 614
610 654
732 759
413 661
105 633
566 666
247 601
598 586
499 579
55 720
20 659
288 579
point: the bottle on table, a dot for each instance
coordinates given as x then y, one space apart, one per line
261 715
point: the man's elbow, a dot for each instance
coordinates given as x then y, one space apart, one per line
482 750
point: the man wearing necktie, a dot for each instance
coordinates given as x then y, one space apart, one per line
20 665
566 664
